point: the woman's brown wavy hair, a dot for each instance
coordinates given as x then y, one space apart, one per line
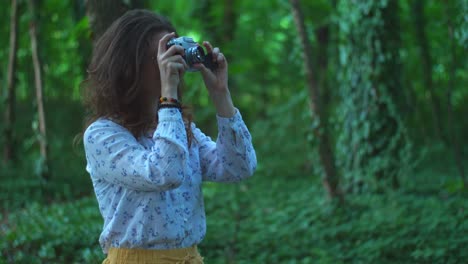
113 88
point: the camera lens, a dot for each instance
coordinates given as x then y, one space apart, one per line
194 55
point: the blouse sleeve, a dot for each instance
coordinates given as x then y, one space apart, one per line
232 157
114 155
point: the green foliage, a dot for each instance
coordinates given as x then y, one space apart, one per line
285 220
59 233
69 180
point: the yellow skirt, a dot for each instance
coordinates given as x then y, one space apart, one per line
152 256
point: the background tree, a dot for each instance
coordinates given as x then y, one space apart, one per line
102 13
218 26
451 83
8 148
81 21
38 81
419 20
320 127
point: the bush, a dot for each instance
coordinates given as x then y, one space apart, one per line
60 233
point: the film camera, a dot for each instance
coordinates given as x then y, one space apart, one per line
193 53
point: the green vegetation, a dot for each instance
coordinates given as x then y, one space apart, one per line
284 220
391 79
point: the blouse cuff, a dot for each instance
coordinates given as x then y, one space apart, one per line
229 121
171 126
169 114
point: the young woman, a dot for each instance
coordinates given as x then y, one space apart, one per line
147 160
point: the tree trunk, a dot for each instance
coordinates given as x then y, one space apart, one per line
452 77
39 92
102 13
373 144
218 30
229 29
84 45
391 73
320 130
8 151
322 35
419 21
229 21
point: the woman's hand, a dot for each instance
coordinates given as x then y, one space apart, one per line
216 82
171 66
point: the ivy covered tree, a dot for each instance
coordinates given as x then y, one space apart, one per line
373 144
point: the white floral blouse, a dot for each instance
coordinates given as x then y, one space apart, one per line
149 189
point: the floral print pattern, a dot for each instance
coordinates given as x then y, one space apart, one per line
149 189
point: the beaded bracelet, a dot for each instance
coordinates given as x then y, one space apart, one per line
168 100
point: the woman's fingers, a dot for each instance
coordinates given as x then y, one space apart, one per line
221 60
215 52
177 59
208 46
162 47
174 50
177 67
210 49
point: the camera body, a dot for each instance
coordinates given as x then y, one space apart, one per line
193 53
